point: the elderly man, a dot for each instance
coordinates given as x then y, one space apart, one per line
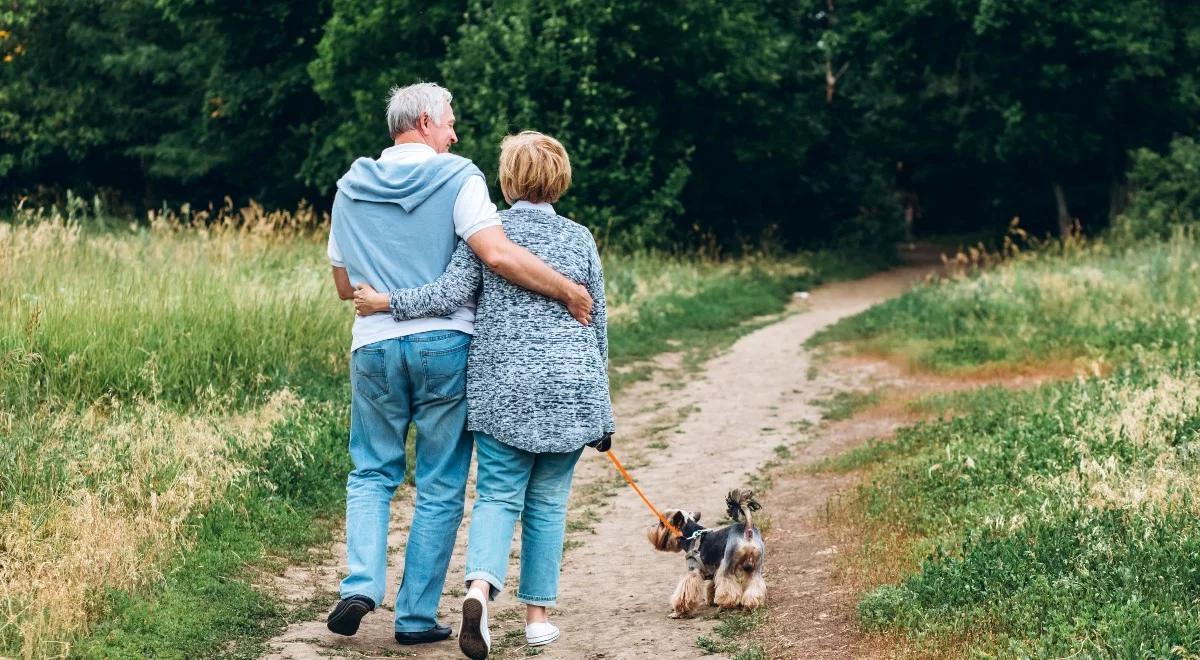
396 221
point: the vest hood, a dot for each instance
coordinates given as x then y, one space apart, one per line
407 185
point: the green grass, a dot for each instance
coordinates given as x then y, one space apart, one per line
1060 521
728 633
1092 302
845 404
174 408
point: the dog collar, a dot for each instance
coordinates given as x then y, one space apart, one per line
695 535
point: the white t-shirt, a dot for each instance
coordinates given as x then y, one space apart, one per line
473 211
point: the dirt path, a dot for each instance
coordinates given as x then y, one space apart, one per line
688 438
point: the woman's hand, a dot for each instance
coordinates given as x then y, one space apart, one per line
368 301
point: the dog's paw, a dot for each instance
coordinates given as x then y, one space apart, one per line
751 602
727 594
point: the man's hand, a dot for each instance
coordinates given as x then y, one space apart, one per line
579 303
368 301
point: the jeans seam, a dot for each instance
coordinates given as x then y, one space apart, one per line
446 335
489 577
443 351
483 571
536 600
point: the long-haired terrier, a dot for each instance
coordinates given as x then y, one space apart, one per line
724 565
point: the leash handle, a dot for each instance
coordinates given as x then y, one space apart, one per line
624 473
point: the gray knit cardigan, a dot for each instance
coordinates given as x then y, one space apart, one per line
537 380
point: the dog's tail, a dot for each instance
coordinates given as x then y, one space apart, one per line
740 503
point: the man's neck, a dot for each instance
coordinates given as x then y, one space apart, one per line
411 137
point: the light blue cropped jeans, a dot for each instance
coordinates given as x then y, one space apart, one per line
511 482
420 379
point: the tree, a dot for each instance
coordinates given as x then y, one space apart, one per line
179 99
1022 103
681 118
369 47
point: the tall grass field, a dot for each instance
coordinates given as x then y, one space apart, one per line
1061 521
174 411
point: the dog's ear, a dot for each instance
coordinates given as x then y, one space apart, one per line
696 516
677 518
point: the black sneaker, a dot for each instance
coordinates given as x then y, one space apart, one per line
346 615
434 634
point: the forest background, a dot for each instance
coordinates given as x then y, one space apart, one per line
786 124
173 378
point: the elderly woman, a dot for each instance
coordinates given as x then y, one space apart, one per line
537 387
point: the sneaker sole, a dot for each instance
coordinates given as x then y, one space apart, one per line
470 637
346 621
542 641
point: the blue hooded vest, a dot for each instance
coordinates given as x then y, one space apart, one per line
394 222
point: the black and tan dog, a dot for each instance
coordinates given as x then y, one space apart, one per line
724 565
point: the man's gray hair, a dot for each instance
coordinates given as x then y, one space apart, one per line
405 105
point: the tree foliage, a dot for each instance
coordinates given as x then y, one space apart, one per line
1167 191
738 121
186 99
368 47
996 103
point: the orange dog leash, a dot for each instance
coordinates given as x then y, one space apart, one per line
625 473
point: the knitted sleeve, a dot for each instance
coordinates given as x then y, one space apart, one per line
453 289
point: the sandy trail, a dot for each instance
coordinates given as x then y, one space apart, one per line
688 438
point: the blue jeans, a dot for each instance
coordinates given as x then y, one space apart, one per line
421 379
511 482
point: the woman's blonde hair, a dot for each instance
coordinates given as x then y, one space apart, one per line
533 167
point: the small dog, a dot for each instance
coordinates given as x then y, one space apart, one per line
724 565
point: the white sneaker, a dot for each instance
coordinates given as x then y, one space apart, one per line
473 637
540 634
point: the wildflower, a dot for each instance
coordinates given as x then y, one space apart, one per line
3 34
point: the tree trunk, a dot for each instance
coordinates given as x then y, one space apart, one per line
1066 224
1117 200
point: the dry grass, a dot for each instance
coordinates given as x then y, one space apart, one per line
1151 418
145 472
102 472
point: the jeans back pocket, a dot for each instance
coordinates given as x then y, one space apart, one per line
446 370
368 367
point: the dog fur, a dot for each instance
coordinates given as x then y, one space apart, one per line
726 569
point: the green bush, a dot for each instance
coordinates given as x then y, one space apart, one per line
1166 191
